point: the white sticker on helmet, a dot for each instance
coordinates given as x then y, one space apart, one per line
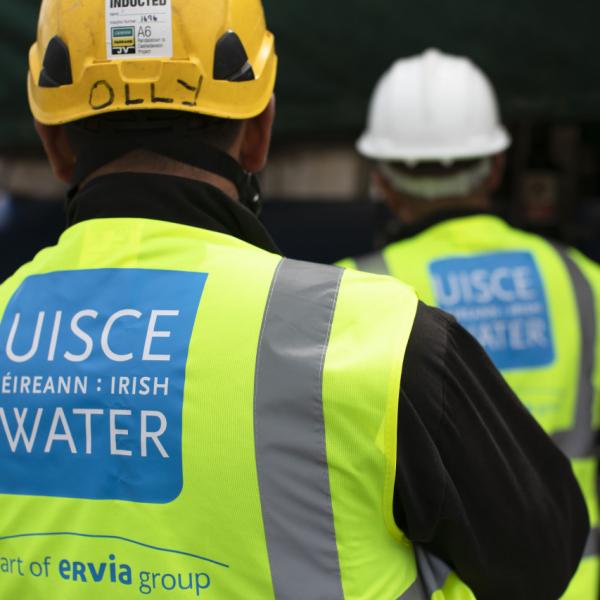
139 29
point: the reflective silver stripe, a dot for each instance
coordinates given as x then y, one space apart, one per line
433 572
414 592
579 442
290 432
372 263
592 545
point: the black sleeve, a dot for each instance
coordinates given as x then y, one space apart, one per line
478 482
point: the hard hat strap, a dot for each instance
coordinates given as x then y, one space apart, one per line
431 188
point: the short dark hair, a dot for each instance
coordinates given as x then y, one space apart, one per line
213 131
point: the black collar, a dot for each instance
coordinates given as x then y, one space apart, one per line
167 198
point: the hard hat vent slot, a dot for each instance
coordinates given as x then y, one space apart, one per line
56 71
231 60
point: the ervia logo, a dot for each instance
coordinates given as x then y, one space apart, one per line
500 299
92 367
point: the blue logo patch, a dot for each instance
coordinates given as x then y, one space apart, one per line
92 367
500 299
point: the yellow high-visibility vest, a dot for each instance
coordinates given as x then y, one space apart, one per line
186 416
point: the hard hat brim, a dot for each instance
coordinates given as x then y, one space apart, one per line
391 150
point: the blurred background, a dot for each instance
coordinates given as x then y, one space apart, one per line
541 56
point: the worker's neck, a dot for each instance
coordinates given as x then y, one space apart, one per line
416 210
142 161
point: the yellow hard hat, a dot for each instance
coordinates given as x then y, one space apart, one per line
209 57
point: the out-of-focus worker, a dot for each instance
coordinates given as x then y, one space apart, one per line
437 145
186 414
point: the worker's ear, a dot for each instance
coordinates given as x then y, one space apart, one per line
497 174
256 140
58 150
384 189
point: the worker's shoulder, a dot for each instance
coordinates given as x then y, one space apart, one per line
589 268
380 306
562 251
364 286
573 260
371 281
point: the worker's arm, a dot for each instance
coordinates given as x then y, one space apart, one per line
478 481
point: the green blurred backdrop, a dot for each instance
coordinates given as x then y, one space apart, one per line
541 55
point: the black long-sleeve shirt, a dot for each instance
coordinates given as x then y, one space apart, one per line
478 482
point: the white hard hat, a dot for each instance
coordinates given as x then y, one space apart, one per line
433 107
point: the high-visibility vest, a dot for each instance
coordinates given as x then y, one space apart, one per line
534 307
186 416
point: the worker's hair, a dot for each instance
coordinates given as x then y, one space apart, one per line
220 133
